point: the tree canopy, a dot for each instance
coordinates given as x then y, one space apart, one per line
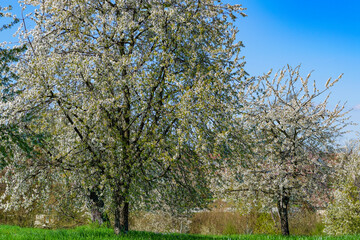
131 96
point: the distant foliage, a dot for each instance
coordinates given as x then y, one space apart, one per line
343 213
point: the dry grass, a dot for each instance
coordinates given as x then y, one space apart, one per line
160 222
222 221
227 223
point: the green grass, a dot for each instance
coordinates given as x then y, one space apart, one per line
88 232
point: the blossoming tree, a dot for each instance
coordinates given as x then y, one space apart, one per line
132 96
289 131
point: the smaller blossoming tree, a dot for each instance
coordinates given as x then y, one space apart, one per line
289 133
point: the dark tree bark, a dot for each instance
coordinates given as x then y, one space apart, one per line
283 206
124 220
97 205
96 215
121 223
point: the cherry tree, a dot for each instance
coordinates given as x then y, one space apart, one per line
291 133
133 97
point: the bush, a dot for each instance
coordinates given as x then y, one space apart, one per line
305 222
59 213
343 214
20 217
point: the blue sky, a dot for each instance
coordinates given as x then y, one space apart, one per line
321 35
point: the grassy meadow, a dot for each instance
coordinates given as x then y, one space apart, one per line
89 232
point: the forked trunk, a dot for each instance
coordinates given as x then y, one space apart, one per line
121 224
283 205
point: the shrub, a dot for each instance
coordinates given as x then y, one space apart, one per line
343 214
305 222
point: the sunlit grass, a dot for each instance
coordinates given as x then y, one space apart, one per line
89 232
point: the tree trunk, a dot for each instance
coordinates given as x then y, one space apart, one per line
283 205
122 218
96 215
97 205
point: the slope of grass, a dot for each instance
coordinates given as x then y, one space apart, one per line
87 232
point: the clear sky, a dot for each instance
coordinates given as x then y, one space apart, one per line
321 35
